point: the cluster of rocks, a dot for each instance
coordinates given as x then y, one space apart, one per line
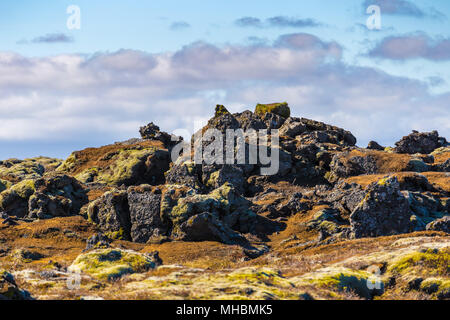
145 197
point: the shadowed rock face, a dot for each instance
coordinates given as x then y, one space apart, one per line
383 211
420 142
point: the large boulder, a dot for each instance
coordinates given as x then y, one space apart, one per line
9 289
145 218
14 201
57 196
383 211
224 204
113 263
120 164
152 132
442 224
420 142
207 227
111 214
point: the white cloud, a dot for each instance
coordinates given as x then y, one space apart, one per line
109 95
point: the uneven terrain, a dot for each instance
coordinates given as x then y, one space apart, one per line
127 221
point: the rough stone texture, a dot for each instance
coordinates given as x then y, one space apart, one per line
420 142
442 224
344 196
383 211
206 227
152 132
145 216
111 214
58 196
97 241
373 145
9 289
357 165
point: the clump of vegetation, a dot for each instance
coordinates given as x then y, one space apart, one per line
281 109
430 262
220 111
109 264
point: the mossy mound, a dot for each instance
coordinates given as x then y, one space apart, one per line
114 165
220 111
431 262
14 170
359 282
15 199
281 109
110 264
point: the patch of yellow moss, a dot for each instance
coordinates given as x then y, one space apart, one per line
281 109
430 262
108 264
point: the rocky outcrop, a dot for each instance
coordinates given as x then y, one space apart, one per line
145 218
373 145
383 211
420 142
111 214
119 164
59 196
442 224
9 289
152 132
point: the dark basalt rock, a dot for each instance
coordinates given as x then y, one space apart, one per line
442 224
420 142
373 145
146 223
383 211
152 132
59 196
111 214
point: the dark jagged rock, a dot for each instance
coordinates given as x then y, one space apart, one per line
146 223
206 227
340 167
442 224
9 289
383 211
59 196
345 197
215 176
152 132
420 142
97 241
373 145
111 214
186 174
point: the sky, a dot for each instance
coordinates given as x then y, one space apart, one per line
170 62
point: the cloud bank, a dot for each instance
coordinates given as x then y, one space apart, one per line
277 22
105 97
412 46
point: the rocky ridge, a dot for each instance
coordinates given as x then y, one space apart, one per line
131 196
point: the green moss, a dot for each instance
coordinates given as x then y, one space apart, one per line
88 175
344 279
117 235
125 166
220 110
281 109
109 264
431 262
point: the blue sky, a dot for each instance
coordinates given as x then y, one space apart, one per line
403 82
